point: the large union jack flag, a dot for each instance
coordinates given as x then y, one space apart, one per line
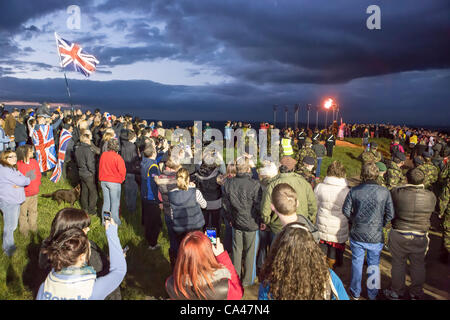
45 147
71 54
64 138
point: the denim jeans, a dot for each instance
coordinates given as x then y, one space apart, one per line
111 199
131 190
373 262
319 163
11 214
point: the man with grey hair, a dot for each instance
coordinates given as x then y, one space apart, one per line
241 202
369 208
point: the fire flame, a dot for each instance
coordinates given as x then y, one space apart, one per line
328 103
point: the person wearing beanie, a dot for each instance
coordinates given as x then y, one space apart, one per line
408 239
394 174
381 177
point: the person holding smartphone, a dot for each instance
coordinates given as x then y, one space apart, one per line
71 278
210 274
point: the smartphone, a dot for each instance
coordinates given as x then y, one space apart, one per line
126 249
106 216
211 234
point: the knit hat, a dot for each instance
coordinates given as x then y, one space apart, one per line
288 162
381 166
308 160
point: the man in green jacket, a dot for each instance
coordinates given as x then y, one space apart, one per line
306 198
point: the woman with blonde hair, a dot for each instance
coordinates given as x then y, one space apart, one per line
107 135
186 204
12 195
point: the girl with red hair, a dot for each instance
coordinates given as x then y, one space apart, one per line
203 271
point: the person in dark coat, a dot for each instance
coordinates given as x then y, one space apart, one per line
20 132
86 163
369 208
242 202
408 239
129 153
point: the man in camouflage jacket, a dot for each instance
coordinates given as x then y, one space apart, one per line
444 210
430 171
394 174
306 151
371 155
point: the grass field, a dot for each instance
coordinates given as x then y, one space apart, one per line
20 275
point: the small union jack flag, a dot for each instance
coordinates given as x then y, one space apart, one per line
45 147
64 138
108 117
71 54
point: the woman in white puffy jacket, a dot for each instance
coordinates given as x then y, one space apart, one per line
331 222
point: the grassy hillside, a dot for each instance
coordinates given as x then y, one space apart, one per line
20 276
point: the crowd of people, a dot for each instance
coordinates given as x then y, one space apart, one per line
278 223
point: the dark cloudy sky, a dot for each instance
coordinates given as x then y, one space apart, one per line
234 59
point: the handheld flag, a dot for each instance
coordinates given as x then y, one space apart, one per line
71 54
45 147
64 138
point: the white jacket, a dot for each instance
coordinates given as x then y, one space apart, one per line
331 222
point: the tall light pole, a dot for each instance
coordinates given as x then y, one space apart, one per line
297 107
285 116
309 108
317 117
274 115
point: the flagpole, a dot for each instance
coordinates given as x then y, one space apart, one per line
64 71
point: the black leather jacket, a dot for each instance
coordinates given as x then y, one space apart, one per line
413 207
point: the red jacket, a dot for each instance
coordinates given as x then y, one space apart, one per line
33 188
235 289
111 167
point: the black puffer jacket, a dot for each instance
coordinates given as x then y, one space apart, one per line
369 208
413 207
242 202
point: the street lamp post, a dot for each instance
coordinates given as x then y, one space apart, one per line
285 116
309 107
317 117
275 116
